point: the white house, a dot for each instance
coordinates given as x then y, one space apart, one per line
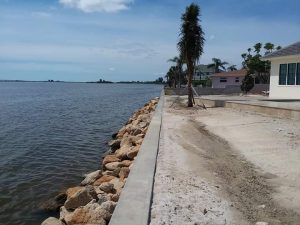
285 72
230 78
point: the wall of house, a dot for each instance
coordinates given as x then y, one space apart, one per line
230 82
283 91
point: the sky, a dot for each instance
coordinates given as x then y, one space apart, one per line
125 40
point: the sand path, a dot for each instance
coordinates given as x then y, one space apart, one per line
220 166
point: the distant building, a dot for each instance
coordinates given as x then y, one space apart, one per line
230 78
285 72
202 72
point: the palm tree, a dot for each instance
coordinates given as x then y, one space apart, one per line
172 76
269 47
231 68
179 62
191 43
217 64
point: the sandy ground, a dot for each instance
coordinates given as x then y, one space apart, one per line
220 166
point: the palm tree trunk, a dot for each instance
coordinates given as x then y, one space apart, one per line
190 91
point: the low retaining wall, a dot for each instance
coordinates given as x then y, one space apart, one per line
257 89
272 111
134 205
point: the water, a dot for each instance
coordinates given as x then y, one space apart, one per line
53 133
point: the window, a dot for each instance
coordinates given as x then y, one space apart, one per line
282 74
289 74
298 74
223 79
237 80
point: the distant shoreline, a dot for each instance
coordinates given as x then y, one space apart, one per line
84 82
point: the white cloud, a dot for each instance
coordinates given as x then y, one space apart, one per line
97 5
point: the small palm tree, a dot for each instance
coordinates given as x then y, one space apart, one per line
217 64
191 43
231 68
179 62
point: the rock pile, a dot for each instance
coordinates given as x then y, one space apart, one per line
94 201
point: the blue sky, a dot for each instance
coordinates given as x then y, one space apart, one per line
85 40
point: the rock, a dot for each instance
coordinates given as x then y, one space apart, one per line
137 131
107 187
91 177
127 141
113 173
261 223
110 158
115 197
122 152
117 184
112 166
124 173
121 132
81 198
125 163
144 118
52 221
103 179
91 214
114 135
53 204
63 212
102 198
109 206
114 144
140 141
73 190
133 152
143 124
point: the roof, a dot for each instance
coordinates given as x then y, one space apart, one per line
234 73
293 49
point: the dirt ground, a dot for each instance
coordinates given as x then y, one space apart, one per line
220 166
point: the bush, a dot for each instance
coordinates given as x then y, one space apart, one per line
247 84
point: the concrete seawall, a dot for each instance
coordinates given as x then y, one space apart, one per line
134 205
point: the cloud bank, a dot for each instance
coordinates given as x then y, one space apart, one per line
97 5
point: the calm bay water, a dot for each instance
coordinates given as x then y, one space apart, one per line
53 133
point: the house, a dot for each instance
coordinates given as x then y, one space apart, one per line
202 72
230 78
285 72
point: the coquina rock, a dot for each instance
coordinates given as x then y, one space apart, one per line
133 152
53 204
81 198
91 214
124 173
109 159
91 177
109 206
117 184
52 221
114 144
63 212
103 179
112 166
107 187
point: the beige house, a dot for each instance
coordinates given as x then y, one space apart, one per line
285 72
230 78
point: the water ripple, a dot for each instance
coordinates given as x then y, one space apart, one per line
52 134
